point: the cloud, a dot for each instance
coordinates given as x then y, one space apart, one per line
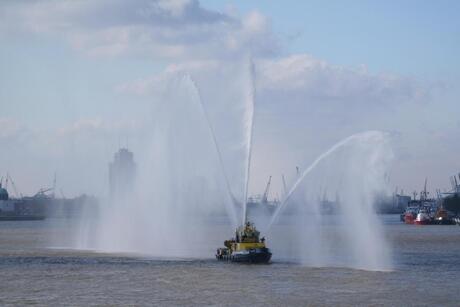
12 132
95 130
300 78
145 86
155 28
305 76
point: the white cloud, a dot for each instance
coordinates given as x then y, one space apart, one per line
302 78
144 86
155 28
310 77
13 132
96 129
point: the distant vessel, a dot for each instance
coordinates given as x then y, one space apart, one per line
41 205
444 210
17 209
443 217
410 214
456 220
423 218
260 204
245 247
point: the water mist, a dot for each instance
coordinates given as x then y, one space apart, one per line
354 172
192 185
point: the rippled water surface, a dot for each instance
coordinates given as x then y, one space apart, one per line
426 272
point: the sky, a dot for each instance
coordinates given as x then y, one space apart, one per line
385 36
79 79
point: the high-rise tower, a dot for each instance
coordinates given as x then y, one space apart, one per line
122 172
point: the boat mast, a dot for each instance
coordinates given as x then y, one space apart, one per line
425 194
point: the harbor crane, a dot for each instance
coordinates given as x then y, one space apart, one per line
285 190
267 189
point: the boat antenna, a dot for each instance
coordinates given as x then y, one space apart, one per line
424 190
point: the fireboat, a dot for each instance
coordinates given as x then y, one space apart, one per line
246 247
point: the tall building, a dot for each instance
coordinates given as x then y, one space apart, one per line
122 173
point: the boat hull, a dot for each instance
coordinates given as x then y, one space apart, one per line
22 218
422 222
444 221
260 255
252 256
422 219
456 220
409 219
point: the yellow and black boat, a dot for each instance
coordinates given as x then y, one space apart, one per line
245 247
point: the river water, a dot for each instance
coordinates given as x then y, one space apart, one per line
425 272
